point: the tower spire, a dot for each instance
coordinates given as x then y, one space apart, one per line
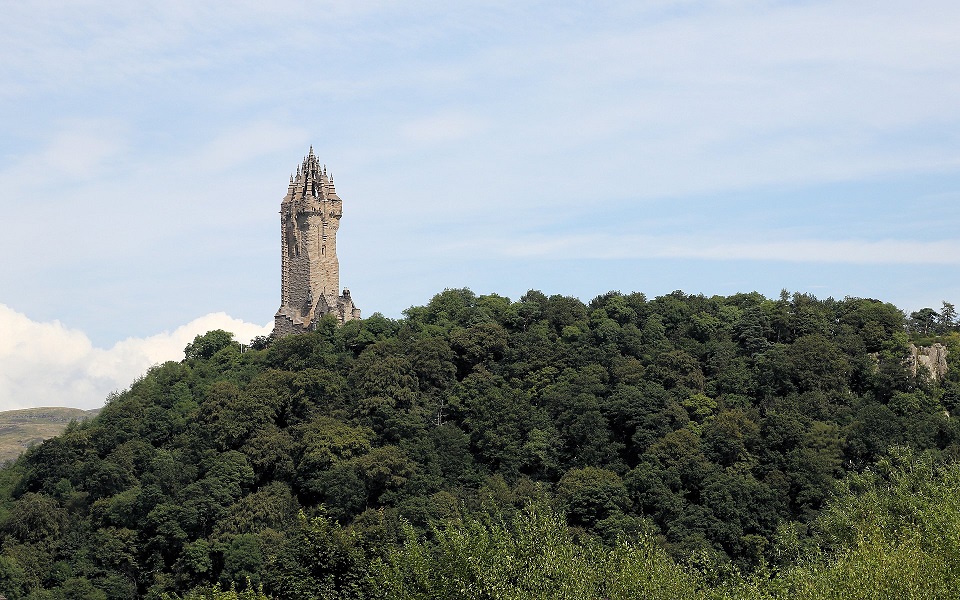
310 276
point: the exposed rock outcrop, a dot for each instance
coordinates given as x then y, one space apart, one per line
934 358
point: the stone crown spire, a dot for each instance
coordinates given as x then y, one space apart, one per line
312 180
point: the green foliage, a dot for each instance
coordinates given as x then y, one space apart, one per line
890 532
320 560
591 495
204 346
532 556
482 447
218 593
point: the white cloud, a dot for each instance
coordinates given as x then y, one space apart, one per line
56 46
80 149
243 145
48 364
598 246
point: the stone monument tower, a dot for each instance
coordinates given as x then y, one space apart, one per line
310 281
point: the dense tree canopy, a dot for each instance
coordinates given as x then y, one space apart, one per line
684 429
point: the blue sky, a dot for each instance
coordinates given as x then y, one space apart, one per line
712 147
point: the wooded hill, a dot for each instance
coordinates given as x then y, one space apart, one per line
700 438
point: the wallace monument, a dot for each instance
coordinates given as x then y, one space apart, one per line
310 279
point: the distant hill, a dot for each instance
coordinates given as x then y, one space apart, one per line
20 429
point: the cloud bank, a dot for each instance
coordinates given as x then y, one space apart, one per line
48 364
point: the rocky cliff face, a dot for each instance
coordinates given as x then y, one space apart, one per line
934 358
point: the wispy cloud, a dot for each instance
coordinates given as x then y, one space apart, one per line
442 128
48 364
79 149
243 144
164 133
891 252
